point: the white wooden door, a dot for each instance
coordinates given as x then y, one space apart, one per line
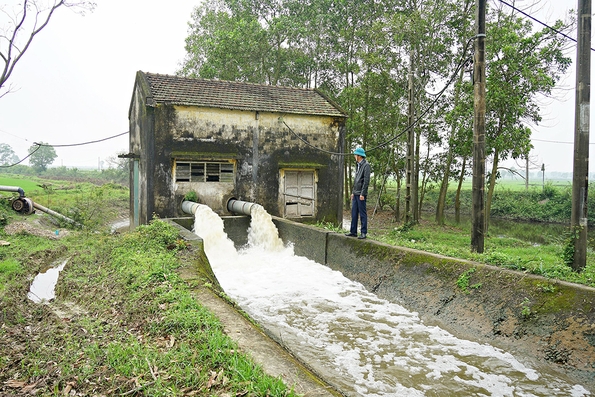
300 193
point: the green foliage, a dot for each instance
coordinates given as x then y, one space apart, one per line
548 204
134 323
191 196
464 279
546 287
158 233
329 226
94 204
526 308
568 245
8 268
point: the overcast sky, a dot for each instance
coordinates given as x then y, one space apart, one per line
75 83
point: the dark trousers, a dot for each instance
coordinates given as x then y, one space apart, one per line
358 208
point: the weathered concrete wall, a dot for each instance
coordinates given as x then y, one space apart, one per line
307 240
141 125
257 143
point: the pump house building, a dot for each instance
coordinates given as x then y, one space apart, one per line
280 147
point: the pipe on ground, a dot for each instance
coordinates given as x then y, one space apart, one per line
56 214
25 205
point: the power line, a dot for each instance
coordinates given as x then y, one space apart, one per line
566 143
39 145
539 22
83 143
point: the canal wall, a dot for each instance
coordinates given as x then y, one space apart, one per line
545 322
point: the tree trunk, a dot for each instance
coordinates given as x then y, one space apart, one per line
491 187
443 190
424 182
458 195
397 209
415 188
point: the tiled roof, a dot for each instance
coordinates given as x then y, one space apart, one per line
238 96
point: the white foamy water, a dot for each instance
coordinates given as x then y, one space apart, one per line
363 344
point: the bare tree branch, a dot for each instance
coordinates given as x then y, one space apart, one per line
26 22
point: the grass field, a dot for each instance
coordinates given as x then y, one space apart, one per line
86 203
30 186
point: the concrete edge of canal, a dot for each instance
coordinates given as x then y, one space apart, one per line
541 321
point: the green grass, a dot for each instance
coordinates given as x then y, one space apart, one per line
30 186
9 267
511 253
86 203
136 330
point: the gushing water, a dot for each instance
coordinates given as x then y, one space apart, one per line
361 343
262 232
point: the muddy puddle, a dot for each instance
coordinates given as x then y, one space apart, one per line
42 288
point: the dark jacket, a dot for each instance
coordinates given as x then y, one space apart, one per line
362 178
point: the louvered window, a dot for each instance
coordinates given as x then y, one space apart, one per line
194 171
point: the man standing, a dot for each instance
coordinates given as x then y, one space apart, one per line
359 194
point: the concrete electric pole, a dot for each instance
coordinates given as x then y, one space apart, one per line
580 178
479 106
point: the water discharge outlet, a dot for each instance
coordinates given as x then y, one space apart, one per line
233 206
240 207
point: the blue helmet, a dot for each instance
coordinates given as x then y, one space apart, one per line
360 152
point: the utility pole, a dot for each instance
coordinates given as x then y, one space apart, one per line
580 177
479 126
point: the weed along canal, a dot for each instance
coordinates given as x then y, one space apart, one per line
359 343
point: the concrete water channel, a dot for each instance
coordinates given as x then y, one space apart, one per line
375 320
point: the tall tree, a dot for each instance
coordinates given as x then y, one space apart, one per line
19 26
7 155
41 155
456 125
521 64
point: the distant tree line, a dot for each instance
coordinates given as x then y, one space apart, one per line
41 156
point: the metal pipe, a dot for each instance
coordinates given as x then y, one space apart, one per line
54 213
239 207
15 189
190 207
